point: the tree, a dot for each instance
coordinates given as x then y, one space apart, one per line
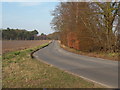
108 12
42 34
85 25
16 34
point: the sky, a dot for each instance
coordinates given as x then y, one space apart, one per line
28 15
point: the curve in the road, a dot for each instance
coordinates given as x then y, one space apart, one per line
102 71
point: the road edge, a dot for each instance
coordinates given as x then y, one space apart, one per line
32 54
89 80
64 47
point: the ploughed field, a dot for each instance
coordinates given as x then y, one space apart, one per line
14 45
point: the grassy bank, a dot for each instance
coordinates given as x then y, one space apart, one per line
21 71
104 55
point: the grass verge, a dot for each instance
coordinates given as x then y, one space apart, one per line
104 55
19 70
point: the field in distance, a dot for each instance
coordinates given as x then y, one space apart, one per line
14 45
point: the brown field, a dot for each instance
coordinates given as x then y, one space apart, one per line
13 45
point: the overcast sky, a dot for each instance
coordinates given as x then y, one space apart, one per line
28 15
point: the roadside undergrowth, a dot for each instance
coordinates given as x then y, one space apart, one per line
19 70
104 55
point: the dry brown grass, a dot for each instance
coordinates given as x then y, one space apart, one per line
110 56
13 45
21 71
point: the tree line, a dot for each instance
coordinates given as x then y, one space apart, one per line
88 26
17 34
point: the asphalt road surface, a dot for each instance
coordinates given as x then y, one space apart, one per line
98 70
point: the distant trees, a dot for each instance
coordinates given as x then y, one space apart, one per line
16 34
87 26
42 37
54 36
51 36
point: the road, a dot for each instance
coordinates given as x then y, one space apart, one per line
104 72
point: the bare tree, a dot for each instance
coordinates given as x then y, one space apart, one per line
87 24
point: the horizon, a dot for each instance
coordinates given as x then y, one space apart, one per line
27 30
